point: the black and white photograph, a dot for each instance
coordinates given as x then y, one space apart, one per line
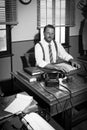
43 64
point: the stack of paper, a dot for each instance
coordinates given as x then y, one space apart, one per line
21 103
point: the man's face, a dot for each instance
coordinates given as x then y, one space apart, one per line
49 34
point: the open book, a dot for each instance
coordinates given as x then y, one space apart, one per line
66 67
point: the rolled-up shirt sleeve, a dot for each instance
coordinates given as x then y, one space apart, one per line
63 54
39 56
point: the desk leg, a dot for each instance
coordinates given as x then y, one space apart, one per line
68 119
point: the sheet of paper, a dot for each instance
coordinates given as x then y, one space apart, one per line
19 103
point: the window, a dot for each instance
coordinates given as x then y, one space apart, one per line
8 18
3 46
59 13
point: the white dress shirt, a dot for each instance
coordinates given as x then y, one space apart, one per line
62 53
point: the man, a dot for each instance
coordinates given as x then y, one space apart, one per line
42 54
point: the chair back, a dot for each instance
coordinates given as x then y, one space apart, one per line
30 59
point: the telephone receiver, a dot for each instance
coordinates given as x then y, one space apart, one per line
53 74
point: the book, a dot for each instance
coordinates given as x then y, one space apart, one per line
27 77
33 70
21 103
66 67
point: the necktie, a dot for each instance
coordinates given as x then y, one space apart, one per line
50 54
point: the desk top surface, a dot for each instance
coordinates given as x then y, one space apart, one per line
76 86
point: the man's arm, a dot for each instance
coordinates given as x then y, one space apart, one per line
63 54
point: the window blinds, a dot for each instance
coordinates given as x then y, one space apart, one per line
56 12
8 12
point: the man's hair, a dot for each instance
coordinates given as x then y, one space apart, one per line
49 26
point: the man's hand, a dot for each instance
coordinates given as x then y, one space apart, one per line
74 63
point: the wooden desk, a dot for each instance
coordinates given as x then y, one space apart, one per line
55 100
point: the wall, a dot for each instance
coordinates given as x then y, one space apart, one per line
74 32
23 35
74 46
19 48
27 22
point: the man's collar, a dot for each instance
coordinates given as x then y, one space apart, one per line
47 42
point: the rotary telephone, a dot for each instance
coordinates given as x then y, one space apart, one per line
51 77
